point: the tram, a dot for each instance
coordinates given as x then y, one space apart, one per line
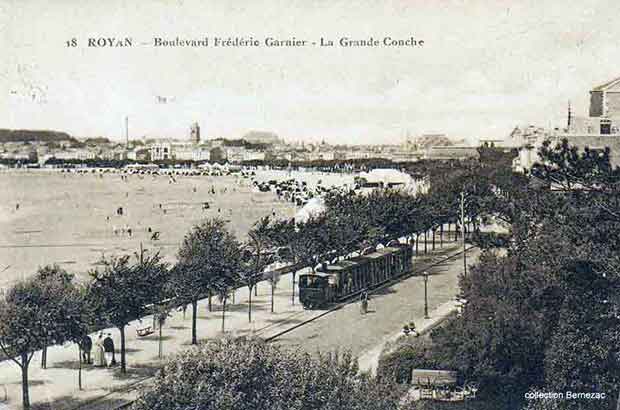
334 282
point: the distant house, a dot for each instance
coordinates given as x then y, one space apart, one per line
605 100
161 151
598 131
452 152
218 154
183 152
253 156
139 154
263 137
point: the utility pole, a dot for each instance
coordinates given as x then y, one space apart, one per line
141 255
463 228
425 274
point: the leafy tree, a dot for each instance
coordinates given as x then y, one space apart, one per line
57 283
38 312
584 354
307 243
347 221
121 292
252 375
208 261
255 257
543 313
396 364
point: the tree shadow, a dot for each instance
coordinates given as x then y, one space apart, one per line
178 327
383 291
73 365
62 402
437 272
154 337
31 382
72 403
128 350
138 371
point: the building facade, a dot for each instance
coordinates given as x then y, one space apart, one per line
598 131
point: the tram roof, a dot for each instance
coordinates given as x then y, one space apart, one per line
379 253
360 260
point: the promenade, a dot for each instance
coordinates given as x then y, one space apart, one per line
105 388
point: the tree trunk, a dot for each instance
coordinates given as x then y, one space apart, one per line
80 367
123 361
433 238
44 358
273 285
210 305
293 293
256 289
25 394
425 241
159 353
194 313
416 244
223 312
441 235
250 304
233 296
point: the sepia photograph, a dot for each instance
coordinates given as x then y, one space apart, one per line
309 205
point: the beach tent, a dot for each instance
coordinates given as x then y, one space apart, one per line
395 179
313 207
388 177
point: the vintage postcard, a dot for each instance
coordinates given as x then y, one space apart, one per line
306 205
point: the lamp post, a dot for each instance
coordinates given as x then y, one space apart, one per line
463 226
425 274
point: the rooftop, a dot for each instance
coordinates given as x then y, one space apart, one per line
607 85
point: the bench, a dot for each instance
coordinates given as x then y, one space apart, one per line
144 331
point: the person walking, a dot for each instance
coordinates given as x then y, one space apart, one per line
108 348
99 355
86 345
364 302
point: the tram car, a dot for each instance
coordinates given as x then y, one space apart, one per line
334 282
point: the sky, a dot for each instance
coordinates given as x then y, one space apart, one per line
485 67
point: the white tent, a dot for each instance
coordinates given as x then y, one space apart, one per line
388 176
394 178
314 207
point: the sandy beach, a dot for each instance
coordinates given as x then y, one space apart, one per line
70 219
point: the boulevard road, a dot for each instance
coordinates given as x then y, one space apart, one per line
389 310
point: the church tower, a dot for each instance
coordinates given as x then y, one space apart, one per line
195 134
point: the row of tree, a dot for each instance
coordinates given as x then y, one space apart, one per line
50 308
212 262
